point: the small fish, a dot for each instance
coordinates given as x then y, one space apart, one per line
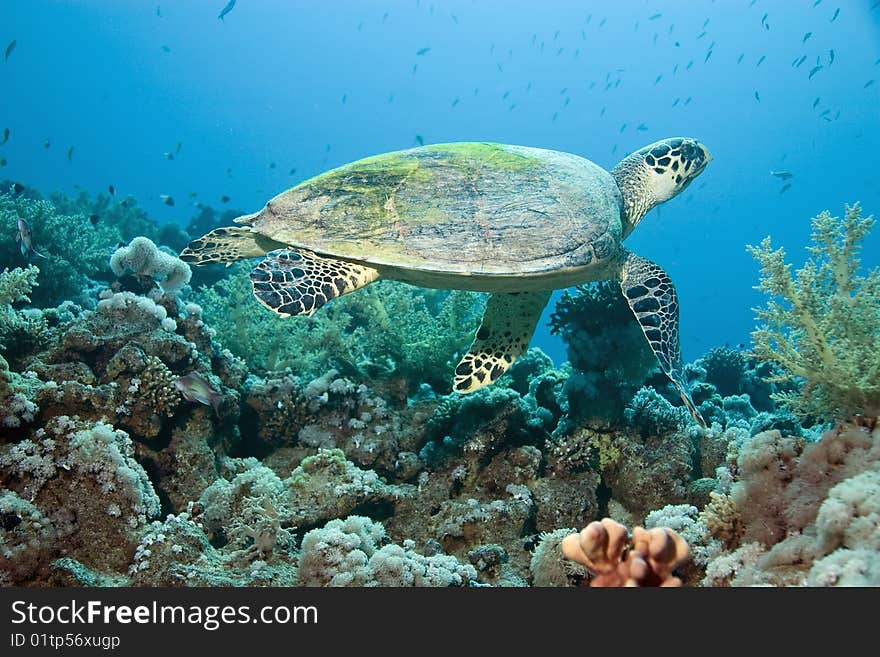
701 35
167 199
785 188
158 11
675 102
70 154
660 77
642 127
816 102
622 128
112 190
292 171
708 55
344 97
836 14
224 199
166 49
179 146
455 102
25 238
825 113
782 175
831 55
5 136
761 60
420 140
814 70
868 84
422 51
271 165
757 96
654 17
47 143
2 162
93 218
801 61
229 7
196 388
764 19
168 155
687 101
9 50
807 36
740 58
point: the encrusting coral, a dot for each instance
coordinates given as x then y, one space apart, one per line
821 325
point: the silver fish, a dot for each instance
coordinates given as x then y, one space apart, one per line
26 240
782 175
196 388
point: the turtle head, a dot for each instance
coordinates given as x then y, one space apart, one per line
657 173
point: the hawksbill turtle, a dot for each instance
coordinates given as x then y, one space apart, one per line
514 221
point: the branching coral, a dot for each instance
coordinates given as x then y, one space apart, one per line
16 286
616 559
389 330
821 325
606 349
76 250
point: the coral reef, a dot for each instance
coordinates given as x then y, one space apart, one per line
151 435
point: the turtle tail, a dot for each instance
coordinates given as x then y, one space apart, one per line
227 244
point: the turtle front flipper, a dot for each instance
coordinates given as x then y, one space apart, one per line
228 244
298 282
503 336
653 300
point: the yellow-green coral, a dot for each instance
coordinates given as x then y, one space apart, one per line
389 329
822 324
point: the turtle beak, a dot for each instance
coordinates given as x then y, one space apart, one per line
706 154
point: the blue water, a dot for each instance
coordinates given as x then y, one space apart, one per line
314 84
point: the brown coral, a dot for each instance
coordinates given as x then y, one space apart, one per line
647 559
723 519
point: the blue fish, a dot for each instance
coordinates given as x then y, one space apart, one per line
229 7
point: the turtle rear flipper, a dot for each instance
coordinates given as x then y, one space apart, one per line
228 244
503 336
298 282
652 298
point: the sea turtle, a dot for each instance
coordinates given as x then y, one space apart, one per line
514 221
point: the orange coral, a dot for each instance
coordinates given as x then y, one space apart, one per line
615 559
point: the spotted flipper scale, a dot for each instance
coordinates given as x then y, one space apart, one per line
298 282
652 298
503 336
227 245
